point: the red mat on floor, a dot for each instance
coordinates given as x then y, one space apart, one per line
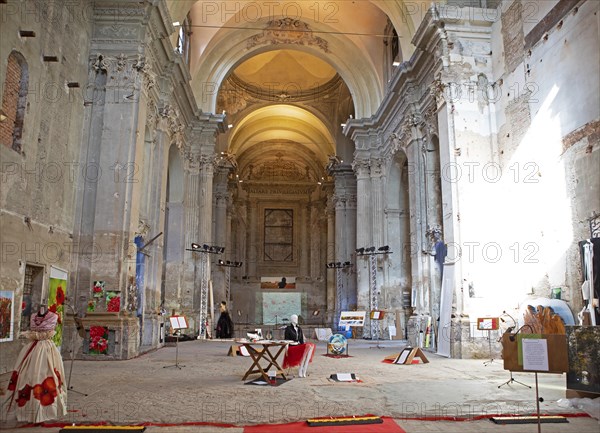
388 426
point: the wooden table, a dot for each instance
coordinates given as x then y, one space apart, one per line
268 354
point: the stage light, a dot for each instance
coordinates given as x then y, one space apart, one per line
195 246
370 249
360 250
385 248
221 262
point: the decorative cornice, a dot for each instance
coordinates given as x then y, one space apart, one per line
287 31
278 188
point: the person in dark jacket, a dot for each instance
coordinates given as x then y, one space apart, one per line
224 324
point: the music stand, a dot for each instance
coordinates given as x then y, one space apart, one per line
376 316
511 380
488 324
177 324
81 332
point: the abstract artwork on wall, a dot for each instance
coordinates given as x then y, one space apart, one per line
277 282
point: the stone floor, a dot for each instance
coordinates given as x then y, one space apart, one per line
208 389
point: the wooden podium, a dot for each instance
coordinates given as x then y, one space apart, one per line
535 353
512 353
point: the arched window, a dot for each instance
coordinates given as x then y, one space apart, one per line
14 101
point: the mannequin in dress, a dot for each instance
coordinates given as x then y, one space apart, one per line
37 391
300 355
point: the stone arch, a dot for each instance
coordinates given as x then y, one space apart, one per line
364 84
14 101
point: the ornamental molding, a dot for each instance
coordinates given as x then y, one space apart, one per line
287 31
269 188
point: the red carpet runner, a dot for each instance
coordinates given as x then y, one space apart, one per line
388 426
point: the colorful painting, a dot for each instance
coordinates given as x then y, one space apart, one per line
278 282
98 289
278 307
57 290
113 301
6 315
352 318
98 340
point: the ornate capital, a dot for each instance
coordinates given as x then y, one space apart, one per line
376 167
146 73
169 121
361 167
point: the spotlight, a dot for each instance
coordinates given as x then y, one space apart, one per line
347 264
385 248
221 262
195 246
360 250
370 249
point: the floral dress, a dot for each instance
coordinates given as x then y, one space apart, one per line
37 391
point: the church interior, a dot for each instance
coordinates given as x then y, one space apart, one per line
434 163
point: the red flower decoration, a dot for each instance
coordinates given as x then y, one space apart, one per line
60 295
97 289
12 384
114 305
24 395
97 332
98 339
52 308
46 391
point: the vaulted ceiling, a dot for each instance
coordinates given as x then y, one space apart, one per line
288 73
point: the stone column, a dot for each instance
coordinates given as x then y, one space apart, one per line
363 232
331 257
304 240
252 227
190 296
221 229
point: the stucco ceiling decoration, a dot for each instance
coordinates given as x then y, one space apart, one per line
287 31
278 169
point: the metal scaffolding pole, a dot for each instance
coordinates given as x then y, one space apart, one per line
203 314
374 295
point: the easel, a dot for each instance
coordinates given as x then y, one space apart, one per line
407 356
81 332
376 316
177 324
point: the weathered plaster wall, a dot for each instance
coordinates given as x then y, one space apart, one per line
38 184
